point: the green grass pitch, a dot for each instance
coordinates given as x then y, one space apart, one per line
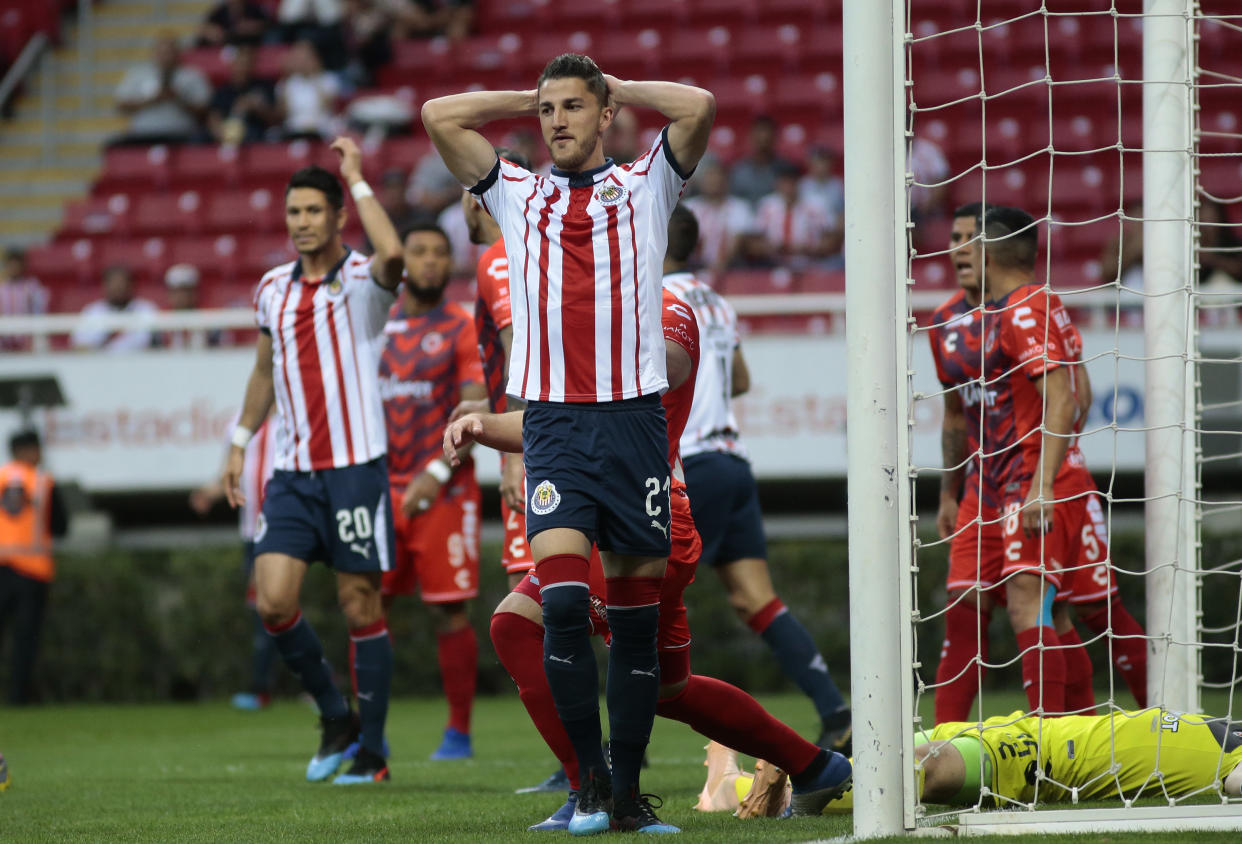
203 772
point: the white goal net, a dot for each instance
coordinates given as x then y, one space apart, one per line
1117 126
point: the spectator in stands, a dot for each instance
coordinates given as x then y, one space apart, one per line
306 96
929 196
754 176
182 283
450 18
317 21
21 294
432 187
1220 250
234 22
94 332
726 223
822 186
621 142
164 100
243 110
371 27
796 234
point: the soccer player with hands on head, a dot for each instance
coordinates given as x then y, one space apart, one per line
319 319
588 359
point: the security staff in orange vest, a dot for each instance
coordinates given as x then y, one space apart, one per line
31 513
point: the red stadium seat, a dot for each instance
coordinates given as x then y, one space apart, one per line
65 263
404 153
267 162
235 211
147 166
212 61
259 253
215 255
168 213
205 166
147 257
98 215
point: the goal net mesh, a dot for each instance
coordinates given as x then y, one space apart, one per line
1039 105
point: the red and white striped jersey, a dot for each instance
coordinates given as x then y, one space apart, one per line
326 338
712 425
586 252
256 470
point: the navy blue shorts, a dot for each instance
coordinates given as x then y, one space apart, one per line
341 517
724 501
601 469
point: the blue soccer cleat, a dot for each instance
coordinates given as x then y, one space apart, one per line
811 798
456 745
593 814
249 701
367 768
352 750
558 781
337 734
560 818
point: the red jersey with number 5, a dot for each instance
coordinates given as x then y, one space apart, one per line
491 316
1027 334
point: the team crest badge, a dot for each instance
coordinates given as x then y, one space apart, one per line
611 195
433 342
544 499
260 529
335 287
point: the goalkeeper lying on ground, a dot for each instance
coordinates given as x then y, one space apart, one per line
1145 753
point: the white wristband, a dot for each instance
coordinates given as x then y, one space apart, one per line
439 470
241 436
360 190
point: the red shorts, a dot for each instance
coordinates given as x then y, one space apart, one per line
1077 539
438 549
1093 578
976 550
515 556
595 582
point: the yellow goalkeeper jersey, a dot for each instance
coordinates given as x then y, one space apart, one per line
1149 752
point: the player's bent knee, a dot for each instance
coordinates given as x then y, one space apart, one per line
275 613
360 599
519 604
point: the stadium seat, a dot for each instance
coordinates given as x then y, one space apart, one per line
215 255
65 263
195 166
98 215
127 166
259 253
265 162
258 210
146 257
210 61
168 213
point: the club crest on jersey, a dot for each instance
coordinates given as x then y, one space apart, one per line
335 287
433 342
611 195
544 499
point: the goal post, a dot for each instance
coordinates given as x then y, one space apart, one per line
1168 313
876 417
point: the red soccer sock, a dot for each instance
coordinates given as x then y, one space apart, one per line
965 636
1128 646
1043 670
519 644
728 715
765 616
459 669
1079 695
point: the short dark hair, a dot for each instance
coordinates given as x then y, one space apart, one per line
683 234
1011 236
425 226
577 66
25 438
971 209
321 180
513 157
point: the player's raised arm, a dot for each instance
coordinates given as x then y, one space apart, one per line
452 121
690 111
260 394
386 264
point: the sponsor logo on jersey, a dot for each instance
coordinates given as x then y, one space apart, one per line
544 499
433 342
611 195
391 387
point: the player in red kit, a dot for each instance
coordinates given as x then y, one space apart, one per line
710 706
970 515
588 358
429 365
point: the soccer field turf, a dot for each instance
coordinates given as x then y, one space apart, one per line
203 772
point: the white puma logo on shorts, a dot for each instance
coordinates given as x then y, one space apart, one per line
662 528
569 660
364 550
